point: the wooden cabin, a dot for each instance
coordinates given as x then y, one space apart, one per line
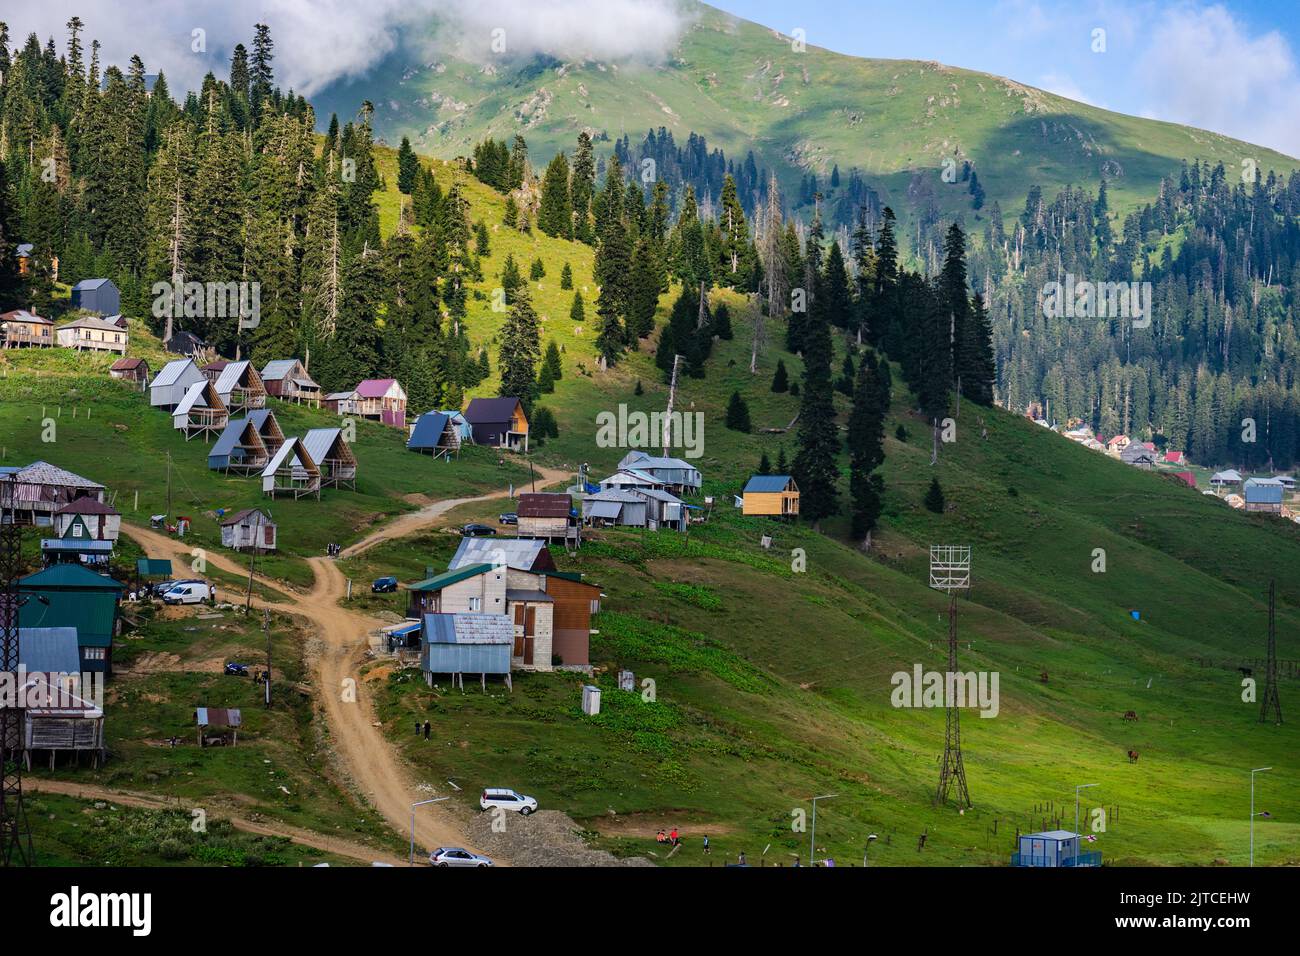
333 456
499 422
268 428
342 403
287 380
1263 494
100 521
68 720
240 448
459 644
434 434
250 529
771 495
132 370
291 471
382 400
92 334
546 515
97 295
575 602
172 382
34 494
201 412
238 383
23 329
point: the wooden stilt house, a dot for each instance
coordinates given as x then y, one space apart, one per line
268 428
238 383
435 434
240 448
291 471
337 464
201 411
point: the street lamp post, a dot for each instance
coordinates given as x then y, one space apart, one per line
1253 814
871 838
812 839
411 861
1082 786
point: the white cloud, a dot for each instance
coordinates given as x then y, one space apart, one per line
1203 68
1063 85
318 42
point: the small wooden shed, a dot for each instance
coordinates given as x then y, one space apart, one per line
250 529
771 495
222 718
268 427
546 515
132 370
287 379
172 382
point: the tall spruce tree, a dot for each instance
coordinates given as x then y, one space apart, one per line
520 350
866 441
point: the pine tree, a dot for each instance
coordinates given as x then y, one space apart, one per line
981 372
566 277
722 322
643 292
866 449
582 187
764 465
934 500
780 381
537 270
738 414
815 469
577 312
555 216
408 167
520 350
552 361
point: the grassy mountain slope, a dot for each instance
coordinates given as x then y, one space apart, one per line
774 684
743 87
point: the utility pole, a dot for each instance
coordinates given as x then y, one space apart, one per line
419 803
266 628
1253 814
950 571
812 837
1082 786
1270 698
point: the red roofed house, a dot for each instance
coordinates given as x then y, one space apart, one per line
132 370
1174 457
382 400
1186 477
1117 444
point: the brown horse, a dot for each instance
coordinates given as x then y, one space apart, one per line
1130 715
1132 756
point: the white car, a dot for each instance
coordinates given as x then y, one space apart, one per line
456 856
189 592
507 800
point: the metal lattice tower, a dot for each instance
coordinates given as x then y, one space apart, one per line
950 571
15 835
1270 700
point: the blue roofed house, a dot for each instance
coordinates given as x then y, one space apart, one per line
67 718
1263 494
97 295
434 434
457 644
772 495
239 448
675 474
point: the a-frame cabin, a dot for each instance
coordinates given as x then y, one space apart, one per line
291 471
201 411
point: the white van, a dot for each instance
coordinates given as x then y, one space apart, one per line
188 592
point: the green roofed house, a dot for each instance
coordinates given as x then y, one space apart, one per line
69 595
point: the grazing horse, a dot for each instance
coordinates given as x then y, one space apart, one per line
1130 715
1132 756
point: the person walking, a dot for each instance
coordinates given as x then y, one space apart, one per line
417 728
741 858
426 730
706 843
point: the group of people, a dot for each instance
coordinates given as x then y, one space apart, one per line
333 549
426 729
674 839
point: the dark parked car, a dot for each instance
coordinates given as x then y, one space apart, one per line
384 585
477 531
508 518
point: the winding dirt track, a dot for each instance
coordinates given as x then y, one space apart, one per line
359 744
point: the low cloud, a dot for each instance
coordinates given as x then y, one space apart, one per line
319 42
1203 68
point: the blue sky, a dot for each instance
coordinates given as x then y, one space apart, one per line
1230 66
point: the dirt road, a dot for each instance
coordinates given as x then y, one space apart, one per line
364 755
149 801
429 516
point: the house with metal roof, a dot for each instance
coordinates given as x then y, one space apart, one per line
663 509
250 529
40 489
1139 455
287 379
382 400
132 370
675 474
522 554
239 448
631 478
69 595
1052 848
547 515
291 470
614 507
333 456
97 295
185 343
223 719
1225 479
434 434
499 422
201 411
342 403
92 334
463 428
268 427
772 495
457 644
1263 494
173 382
23 329
100 521
65 717
238 383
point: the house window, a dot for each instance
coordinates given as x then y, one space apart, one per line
93 653
475 604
